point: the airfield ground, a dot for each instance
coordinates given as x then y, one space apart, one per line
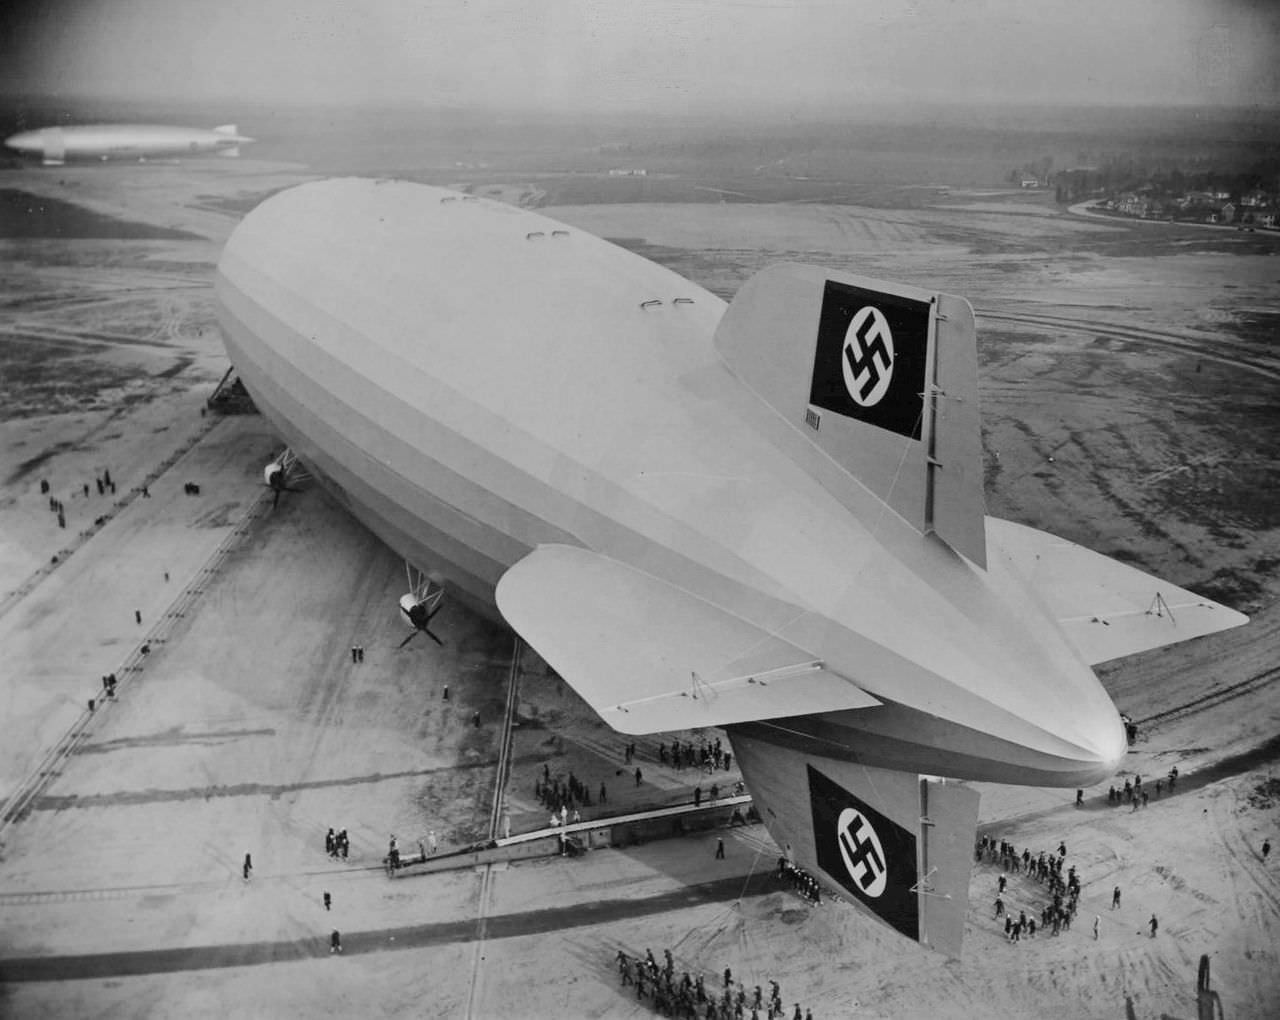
1129 381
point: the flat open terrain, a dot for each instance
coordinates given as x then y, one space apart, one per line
1129 379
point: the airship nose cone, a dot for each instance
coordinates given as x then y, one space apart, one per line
1109 744
1091 730
25 141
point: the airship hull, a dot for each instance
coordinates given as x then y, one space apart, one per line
677 504
466 436
57 145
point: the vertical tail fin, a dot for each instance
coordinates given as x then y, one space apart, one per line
881 377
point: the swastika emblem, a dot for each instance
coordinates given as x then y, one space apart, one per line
863 856
867 357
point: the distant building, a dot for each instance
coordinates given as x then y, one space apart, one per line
1030 182
629 173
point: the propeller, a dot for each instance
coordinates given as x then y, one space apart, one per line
277 477
420 618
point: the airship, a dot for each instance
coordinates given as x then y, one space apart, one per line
766 516
56 145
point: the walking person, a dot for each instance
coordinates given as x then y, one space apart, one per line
1154 925
720 848
1115 897
328 901
248 866
1097 920
335 942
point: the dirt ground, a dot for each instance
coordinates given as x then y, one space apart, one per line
1129 381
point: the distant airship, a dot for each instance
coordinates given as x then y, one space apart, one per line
56 145
767 517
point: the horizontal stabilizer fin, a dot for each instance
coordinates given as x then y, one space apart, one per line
649 657
1106 608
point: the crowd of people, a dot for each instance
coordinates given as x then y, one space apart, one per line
564 797
690 997
803 883
1132 793
1062 888
708 757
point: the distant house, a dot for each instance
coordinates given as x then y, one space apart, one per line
1134 205
1229 213
1030 182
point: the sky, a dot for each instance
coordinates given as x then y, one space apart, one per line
657 56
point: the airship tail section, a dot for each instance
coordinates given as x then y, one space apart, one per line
879 379
650 657
896 845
